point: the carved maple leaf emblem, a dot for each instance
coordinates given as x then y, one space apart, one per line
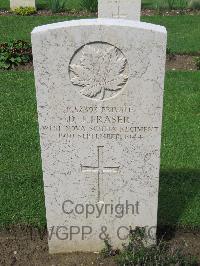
100 68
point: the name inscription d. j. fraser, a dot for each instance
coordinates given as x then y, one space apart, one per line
86 122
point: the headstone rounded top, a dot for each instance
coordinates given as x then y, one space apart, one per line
100 22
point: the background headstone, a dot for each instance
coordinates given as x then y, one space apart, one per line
99 90
119 9
21 3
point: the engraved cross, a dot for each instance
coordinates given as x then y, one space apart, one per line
100 169
118 14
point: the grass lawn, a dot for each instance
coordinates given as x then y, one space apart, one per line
9 31
21 193
44 4
183 31
162 4
180 165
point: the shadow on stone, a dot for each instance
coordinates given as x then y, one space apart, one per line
178 201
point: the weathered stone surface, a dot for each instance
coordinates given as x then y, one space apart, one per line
119 9
99 90
21 3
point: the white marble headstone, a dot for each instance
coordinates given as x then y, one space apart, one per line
119 9
21 3
99 87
